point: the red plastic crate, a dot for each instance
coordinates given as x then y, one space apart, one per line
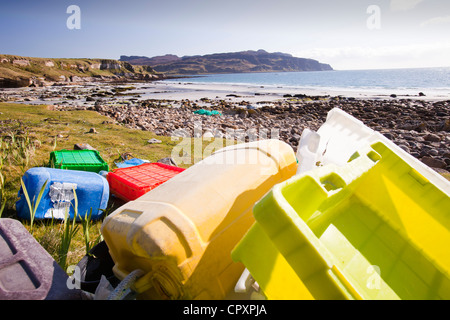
132 182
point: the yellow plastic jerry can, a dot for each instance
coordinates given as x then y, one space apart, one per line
181 234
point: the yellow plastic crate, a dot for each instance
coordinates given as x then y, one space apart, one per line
372 229
276 279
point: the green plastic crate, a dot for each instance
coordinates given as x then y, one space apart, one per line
83 160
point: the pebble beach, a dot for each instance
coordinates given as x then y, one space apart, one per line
417 122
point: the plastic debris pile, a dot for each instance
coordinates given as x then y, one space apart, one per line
349 216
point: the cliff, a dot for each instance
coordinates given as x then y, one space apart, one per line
17 71
233 62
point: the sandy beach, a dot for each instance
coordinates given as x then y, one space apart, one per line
181 90
188 90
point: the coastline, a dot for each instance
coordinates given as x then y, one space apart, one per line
177 90
181 89
432 83
418 124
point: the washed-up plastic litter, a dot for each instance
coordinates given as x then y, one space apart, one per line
81 160
58 198
379 232
181 233
130 163
341 136
208 112
27 270
374 228
361 219
130 183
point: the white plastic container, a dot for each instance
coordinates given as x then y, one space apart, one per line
341 136
307 150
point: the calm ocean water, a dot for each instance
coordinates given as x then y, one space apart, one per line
432 80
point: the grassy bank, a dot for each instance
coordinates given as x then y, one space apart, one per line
29 133
51 69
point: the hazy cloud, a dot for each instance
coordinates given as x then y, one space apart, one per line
413 55
404 5
436 21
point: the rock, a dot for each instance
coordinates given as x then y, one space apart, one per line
295 138
421 127
421 94
434 163
446 125
169 161
82 146
93 130
208 134
432 137
404 147
75 79
388 135
21 62
243 115
154 141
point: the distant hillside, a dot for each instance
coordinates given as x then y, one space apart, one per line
146 61
17 71
233 62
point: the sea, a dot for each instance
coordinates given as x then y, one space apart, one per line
418 83
429 81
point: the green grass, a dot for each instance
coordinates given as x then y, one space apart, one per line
28 134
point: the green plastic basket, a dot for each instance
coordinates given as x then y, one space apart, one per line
83 160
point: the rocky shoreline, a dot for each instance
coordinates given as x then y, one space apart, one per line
420 127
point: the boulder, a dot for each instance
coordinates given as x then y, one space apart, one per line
434 163
432 137
22 63
154 141
169 161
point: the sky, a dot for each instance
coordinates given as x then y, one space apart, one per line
347 34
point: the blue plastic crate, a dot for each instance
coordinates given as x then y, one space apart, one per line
91 189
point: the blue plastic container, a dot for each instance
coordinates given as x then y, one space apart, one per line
92 191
